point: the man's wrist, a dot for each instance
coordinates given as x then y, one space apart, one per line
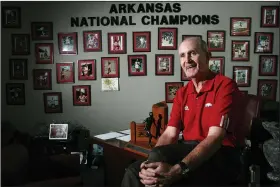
183 168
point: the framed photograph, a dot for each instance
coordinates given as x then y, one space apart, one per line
183 75
117 43
263 42
110 84
87 69
53 102
216 40
245 92
110 67
81 95
44 53
242 75
58 131
42 79
171 89
270 16
15 93
92 41
137 65
217 64
67 43
20 44
240 50
142 41
65 72
268 65
164 64
11 17
191 36
42 31
167 38
18 69
240 26
267 88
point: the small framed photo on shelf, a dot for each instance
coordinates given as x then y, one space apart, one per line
268 65
110 67
42 79
242 75
44 53
58 131
191 36
240 50
216 40
137 65
164 64
183 75
20 44
110 84
18 69
167 38
81 95
11 17
142 41
67 43
117 43
263 42
15 93
92 41
270 16
267 88
217 64
87 69
53 102
240 26
171 89
42 31
65 72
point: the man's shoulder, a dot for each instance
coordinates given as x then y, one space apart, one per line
224 80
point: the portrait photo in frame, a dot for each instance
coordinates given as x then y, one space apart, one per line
87 69
58 132
18 69
268 65
11 17
164 64
270 16
42 79
110 67
81 95
167 38
263 42
240 26
183 75
190 36
137 65
217 64
20 44
267 88
216 40
15 93
92 41
117 43
53 102
42 30
65 72
67 43
142 41
240 50
171 89
44 53
242 75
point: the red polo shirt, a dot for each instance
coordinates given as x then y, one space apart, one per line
215 105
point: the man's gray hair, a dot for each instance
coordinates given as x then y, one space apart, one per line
202 44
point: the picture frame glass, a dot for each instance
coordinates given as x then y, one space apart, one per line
81 95
110 67
87 69
137 65
21 44
68 43
11 17
164 64
42 30
216 65
167 38
240 26
267 89
18 68
117 43
240 50
15 93
53 102
263 42
92 41
171 90
141 41
269 16
268 65
65 72
58 132
42 78
216 40
44 53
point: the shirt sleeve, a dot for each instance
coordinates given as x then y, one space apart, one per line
175 116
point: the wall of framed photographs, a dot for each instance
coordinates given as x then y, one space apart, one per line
104 77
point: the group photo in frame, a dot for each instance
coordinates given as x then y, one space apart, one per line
18 69
53 102
11 17
87 69
15 93
240 50
42 79
167 38
267 88
137 65
42 30
216 40
171 89
65 72
92 41
270 16
263 42
217 64
81 95
268 65
117 43
20 44
44 53
58 132
68 43
240 26
184 36
141 41
164 64
242 75
110 67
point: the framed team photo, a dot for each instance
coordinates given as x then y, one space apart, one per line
18 69
42 30
15 94
42 79
58 132
263 42
65 72
20 44
216 40
164 64
191 36
53 102
142 41
242 75
183 75
87 69
137 65
117 43
92 41
44 53
11 17
81 95
267 88
240 50
110 67
217 64
167 38
171 89
270 16
240 26
67 43
268 65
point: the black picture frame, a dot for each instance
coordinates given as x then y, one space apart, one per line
5 17
15 93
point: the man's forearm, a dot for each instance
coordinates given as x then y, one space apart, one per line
165 139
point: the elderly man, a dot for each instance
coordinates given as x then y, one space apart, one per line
207 109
